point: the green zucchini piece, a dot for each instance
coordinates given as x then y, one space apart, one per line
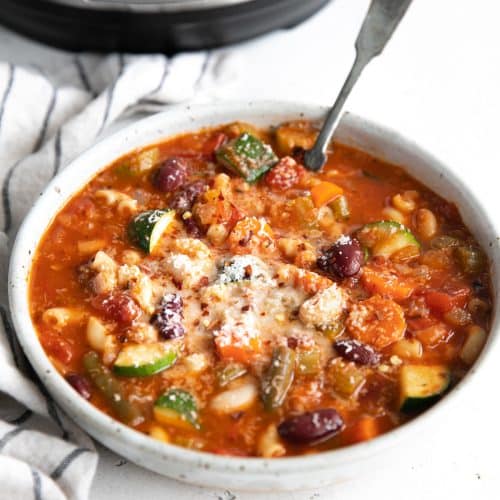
143 360
247 156
111 389
146 229
278 378
384 238
177 407
421 386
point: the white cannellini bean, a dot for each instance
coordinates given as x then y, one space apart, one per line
234 400
96 334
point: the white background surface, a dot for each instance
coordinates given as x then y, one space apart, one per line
438 82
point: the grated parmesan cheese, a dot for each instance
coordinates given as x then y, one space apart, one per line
324 308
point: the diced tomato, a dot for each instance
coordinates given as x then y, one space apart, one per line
387 283
236 215
415 324
433 335
285 175
58 348
213 143
442 302
117 306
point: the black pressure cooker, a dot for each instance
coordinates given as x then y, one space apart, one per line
150 25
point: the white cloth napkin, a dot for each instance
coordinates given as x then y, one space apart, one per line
44 123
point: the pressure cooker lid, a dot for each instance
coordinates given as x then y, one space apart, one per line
151 5
151 25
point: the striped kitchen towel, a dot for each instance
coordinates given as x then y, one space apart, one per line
45 121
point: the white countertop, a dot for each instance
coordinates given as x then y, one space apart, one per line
438 82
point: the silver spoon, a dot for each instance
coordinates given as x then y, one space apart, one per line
381 20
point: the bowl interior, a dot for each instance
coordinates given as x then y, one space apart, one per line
206 468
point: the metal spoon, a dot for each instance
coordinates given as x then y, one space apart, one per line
381 20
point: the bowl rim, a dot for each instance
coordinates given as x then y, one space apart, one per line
94 420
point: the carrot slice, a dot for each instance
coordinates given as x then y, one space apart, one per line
238 348
364 429
387 283
377 321
324 192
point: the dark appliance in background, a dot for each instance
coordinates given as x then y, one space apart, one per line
150 25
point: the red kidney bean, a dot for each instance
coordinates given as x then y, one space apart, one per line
171 175
311 427
360 353
343 259
80 384
184 198
168 317
117 306
193 228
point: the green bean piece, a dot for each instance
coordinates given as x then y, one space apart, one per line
111 389
340 208
278 378
470 259
229 373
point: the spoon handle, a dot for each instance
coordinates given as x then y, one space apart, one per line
381 20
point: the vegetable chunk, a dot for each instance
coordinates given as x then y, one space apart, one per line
376 321
247 156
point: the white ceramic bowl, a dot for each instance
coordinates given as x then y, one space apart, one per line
203 468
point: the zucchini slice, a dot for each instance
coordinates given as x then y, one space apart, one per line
143 360
385 238
422 385
247 156
177 407
146 229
